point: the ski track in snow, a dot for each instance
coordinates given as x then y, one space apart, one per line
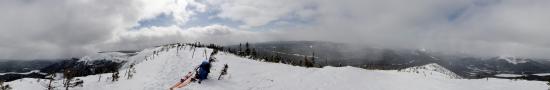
166 68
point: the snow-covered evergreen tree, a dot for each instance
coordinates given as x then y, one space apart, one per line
131 71
247 51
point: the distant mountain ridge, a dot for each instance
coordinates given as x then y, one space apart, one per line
340 54
330 54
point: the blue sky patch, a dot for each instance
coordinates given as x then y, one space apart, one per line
160 20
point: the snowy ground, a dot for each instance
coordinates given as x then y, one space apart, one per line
162 71
33 71
542 74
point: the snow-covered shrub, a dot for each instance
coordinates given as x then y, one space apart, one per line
115 76
50 77
4 87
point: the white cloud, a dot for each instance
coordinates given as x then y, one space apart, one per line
31 29
254 13
37 29
177 9
153 36
49 29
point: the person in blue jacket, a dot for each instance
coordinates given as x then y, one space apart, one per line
203 71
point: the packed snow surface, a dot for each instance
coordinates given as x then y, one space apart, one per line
159 72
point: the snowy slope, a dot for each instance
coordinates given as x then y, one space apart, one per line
433 70
33 71
508 75
542 74
161 71
513 60
115 56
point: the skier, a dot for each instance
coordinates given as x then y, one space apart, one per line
183 81
203 71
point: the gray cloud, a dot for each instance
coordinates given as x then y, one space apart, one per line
33 29
477 27
48 29
37 29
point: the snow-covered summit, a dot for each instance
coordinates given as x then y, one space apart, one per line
513 60
433 70
114 56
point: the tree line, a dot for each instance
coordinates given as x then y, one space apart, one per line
247 51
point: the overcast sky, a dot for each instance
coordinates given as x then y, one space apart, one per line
48 29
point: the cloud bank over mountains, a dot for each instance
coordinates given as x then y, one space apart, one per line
35 29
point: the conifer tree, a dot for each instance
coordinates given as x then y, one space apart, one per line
254 53
313 59
240 51
69 76
247 51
